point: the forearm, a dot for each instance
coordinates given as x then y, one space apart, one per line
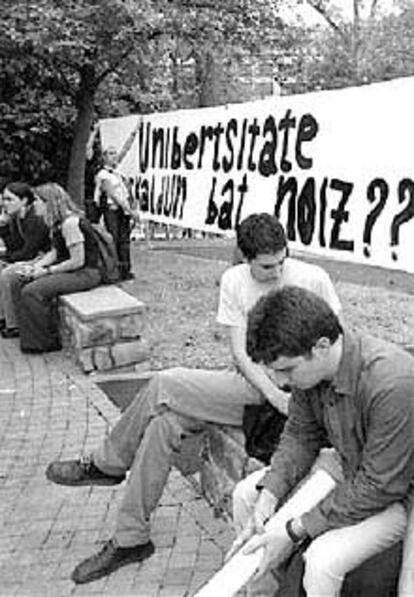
69 265
291 462
124 205
47 259
406 582
258 378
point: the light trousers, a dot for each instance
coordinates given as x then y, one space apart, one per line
334 553
173 405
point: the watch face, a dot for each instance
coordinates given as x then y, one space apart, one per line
293 535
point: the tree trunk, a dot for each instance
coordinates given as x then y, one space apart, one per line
205 73
356 40
82 130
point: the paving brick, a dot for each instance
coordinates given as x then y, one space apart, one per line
49 409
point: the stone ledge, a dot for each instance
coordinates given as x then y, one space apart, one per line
224 463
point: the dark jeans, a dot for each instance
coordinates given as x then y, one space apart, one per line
119 225
37 306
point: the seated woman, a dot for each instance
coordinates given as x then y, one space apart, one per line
26 236
70 266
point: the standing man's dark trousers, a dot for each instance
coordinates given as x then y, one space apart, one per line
119 225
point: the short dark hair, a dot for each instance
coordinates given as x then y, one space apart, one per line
260 234
288 322
22 190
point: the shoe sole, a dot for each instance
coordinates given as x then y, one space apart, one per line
83 483
100 573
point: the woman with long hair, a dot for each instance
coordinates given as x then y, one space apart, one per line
70 266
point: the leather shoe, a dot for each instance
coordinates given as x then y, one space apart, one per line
10 333
80 472
110 558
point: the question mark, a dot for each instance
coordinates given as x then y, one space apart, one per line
382 186
405 186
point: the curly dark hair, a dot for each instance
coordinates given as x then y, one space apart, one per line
289 322
22 190
260 234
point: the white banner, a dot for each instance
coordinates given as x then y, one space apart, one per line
337 168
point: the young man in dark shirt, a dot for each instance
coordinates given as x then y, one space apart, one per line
350 391
25 235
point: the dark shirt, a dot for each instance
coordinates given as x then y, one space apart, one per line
367 414
25 237
91 247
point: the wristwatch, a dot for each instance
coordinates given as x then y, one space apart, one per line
294 535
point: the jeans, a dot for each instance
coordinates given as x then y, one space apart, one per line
37 306
173 405
8 279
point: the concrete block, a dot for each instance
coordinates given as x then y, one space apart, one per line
102 358
125 353
104 301
84 358
131 326
93 333
217 487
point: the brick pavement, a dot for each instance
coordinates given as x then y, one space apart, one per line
48 410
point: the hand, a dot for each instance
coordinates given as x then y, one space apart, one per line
25 270
406 583
247 532
277 547
265 507
38 272
135 218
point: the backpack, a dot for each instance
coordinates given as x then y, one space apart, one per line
108 258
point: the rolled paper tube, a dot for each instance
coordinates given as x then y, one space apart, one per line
241 567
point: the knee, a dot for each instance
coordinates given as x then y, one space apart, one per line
27 292
244 498
323 567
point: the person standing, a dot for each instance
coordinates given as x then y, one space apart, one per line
112 198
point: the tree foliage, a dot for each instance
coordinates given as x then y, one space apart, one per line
65 63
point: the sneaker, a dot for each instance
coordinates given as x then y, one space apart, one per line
80 472
110 558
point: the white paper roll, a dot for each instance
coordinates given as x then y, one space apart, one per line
240 568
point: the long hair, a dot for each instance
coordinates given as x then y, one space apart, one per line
58 203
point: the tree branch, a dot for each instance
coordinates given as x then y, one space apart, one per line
115 65
62 81
320 9
373 10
